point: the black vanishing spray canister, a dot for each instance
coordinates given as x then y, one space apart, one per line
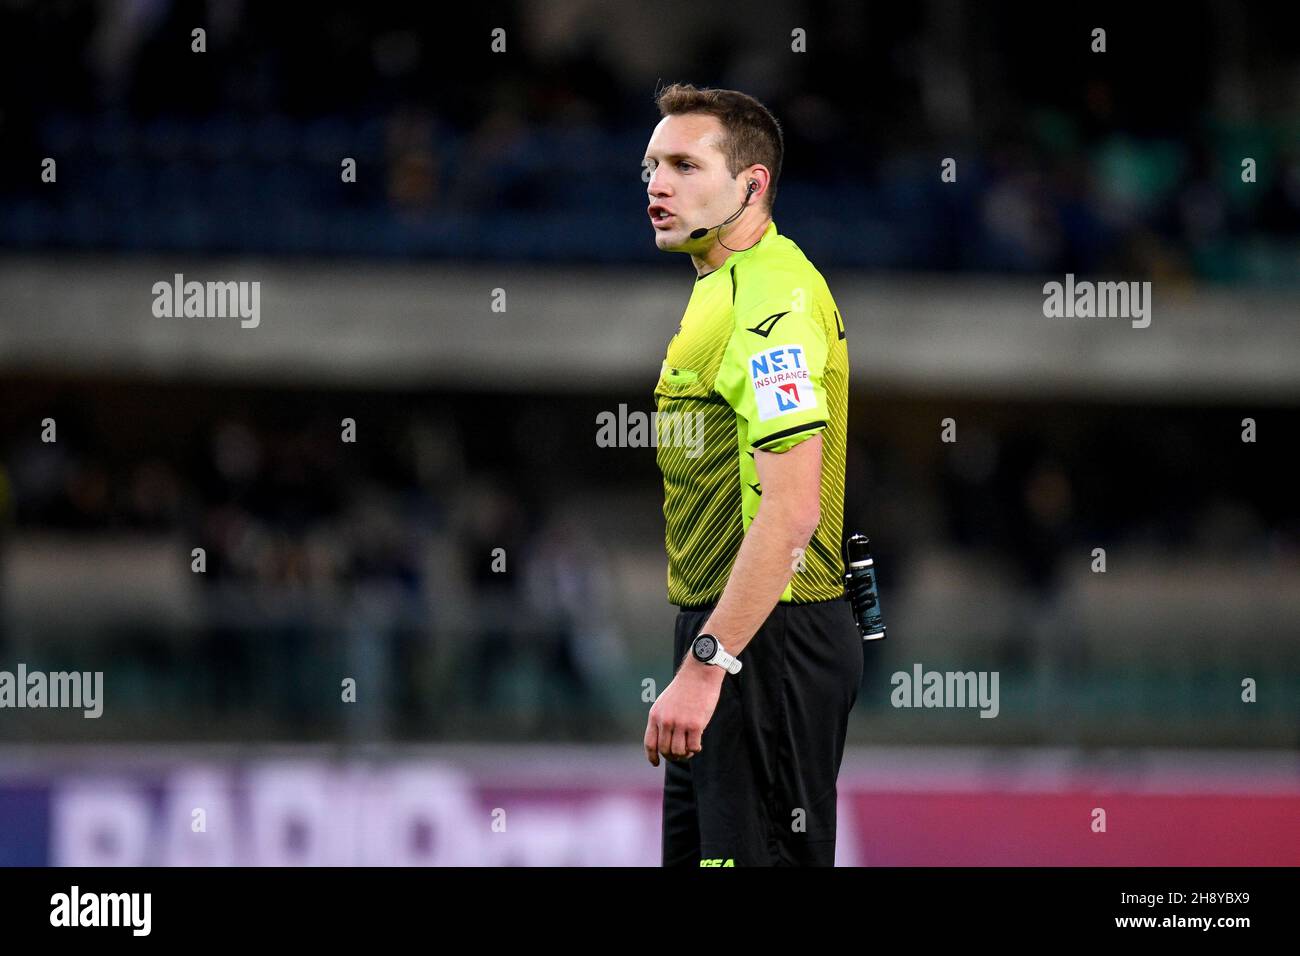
860 587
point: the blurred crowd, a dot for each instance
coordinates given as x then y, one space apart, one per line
473 595
470 576
1128 161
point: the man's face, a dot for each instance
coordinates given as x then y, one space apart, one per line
689 181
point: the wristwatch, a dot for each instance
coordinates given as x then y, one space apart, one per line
707 649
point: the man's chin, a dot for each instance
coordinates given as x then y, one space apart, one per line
672 240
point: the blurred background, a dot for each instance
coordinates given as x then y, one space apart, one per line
488 286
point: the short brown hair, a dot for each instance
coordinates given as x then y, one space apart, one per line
751 133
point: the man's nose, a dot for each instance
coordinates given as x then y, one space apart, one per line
657 186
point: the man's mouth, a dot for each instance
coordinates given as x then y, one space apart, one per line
660 217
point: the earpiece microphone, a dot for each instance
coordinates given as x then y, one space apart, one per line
702 232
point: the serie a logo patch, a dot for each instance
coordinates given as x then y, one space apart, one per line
780 379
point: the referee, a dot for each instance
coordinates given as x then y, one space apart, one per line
767 659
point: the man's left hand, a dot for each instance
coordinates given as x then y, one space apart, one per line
677 720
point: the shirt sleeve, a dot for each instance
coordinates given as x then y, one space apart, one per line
771 372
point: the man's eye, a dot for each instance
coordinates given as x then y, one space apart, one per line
686 164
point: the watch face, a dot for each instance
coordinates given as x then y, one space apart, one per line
704 648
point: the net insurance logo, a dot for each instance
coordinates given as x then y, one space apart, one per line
780 379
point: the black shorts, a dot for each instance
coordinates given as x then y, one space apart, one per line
762 790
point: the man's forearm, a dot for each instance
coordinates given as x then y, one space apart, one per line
764 566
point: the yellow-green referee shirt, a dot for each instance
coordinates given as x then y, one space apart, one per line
758 362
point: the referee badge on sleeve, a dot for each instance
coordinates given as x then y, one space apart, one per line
780 380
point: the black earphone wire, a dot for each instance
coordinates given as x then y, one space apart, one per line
736 215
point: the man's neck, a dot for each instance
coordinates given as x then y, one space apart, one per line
740 236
